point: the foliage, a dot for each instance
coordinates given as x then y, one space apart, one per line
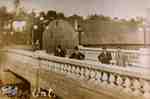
93 25
51 14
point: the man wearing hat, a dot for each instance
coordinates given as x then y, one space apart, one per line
105 57
77 54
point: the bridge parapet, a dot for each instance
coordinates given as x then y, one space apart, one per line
132 56
121 82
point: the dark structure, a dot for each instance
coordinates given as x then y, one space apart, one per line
59 32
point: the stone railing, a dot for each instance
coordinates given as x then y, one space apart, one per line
132 56
132 81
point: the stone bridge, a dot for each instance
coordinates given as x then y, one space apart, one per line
74 79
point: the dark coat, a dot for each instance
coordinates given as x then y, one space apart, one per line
78 56
60 52
105 58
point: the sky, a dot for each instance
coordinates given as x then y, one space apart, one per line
113 8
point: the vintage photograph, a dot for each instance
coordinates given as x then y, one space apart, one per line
74 49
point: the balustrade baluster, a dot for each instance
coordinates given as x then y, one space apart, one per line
127 56
136 87
50 64
62 68
77 71
82 72
146 89
65 68
112 80
92 75
105 78
119 81
56 67
127 85
136 58
73 70
59 67
69 69
113 53
53 66
71 66
98 77
87 73
132 58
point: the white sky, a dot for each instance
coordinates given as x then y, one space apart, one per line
114 8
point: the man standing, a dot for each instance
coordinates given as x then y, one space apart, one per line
121 58
36 45
105 57
59 51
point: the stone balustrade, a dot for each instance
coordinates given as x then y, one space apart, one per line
132 56
132 81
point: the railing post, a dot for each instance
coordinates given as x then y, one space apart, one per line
112 80
136 86
146 89
127 85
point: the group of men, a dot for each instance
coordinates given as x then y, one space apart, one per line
119 59
59 51
105 57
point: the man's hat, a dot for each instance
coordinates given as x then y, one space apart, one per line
76 48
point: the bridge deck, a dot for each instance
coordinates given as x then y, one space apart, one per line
73 79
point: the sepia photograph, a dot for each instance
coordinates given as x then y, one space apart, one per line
74 49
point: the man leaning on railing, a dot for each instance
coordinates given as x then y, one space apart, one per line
59 51
121 58
105 57
77 54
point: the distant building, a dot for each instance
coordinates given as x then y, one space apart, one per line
147 27
148 15
107 33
